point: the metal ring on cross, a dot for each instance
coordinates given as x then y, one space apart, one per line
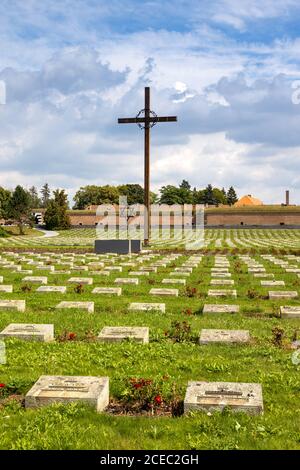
153 117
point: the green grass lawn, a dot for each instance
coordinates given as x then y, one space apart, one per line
77 427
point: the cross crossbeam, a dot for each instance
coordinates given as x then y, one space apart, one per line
149 119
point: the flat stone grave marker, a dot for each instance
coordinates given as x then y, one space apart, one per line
64 389
256 270
81 280
219 270
79 268
221 293
113 334
174 281
44 268
18 305
1 279
147 306
60 271
6 288
213 396
89 306
293 270
99 273
221 275
272 283
182 269
171 292
182 274
107 290
114 268
24 271
150 269
274 295
220 308
139 273
29 331
35 279
59 289
290 312
126 280
264 275
224 336
222 282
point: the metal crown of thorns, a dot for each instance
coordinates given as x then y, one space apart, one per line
153 116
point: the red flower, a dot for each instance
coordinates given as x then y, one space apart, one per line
158 399
71 336
2 385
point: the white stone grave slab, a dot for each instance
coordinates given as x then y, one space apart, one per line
169 292
81 280
35 279
6 288
64 389
59 289
213 396
220 308
107 290
29 331
126 280
113 334
224 336
221 293
18 305
89 306
274 295
290 312
147 306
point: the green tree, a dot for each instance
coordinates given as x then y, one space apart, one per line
45 191
5 196
208 196
35 201
19 209
95 195
219 196
185 185
56 216
231 196
170 195
133 192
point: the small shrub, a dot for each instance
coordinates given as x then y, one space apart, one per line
187 311
26 288
67 336
190 291
179 332
278 335
79 289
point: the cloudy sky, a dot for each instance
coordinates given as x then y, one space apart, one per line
228 69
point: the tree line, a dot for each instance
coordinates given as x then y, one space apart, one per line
17 206
182 194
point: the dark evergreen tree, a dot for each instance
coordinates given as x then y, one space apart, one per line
45 191
231 196
208 197
19 209
56 216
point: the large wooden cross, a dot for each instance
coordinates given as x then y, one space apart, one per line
145 120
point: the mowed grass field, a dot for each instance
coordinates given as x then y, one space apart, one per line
75 426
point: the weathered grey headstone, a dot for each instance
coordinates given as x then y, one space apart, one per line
126 280
222 282
174 281
272 283
29 331
224 336
81 280
274 295
213 396
59 289
220 308
89 306
147 306
6 288
107 290
64 389
18 305
36 279
112 334
139 273
171 292
221 293
290 312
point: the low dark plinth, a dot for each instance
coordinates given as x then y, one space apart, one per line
117 246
